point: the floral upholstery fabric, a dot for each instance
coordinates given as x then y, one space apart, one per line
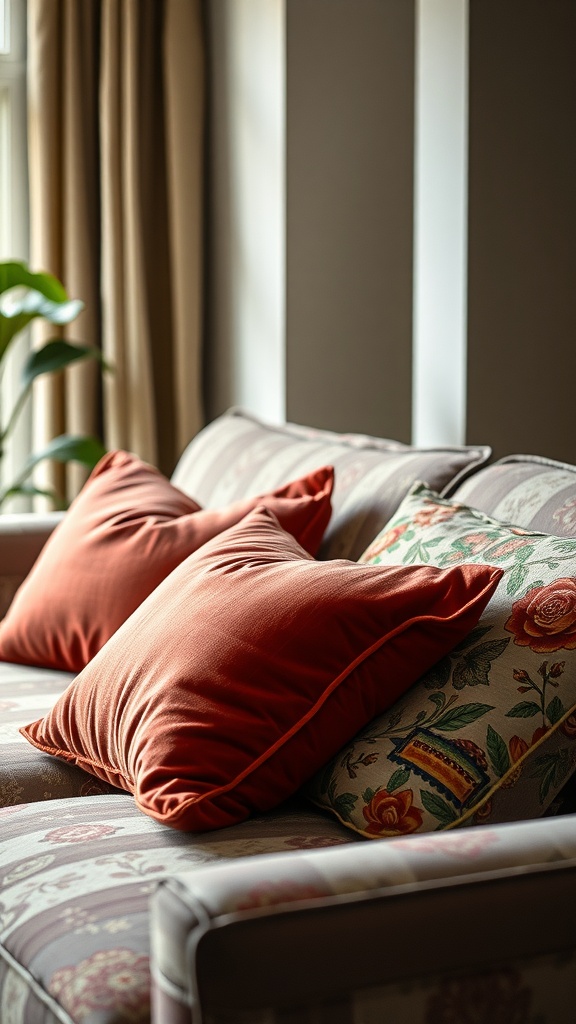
436 907
237 455
536 493
488 734
26 774
75 883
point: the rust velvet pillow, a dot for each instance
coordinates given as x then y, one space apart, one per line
125 532
249 667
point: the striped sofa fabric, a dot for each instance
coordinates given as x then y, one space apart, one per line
526 490
237 456
107 917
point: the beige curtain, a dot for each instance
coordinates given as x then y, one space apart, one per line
116 107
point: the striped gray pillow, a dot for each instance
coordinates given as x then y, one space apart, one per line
238 455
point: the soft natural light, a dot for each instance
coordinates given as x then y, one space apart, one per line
256 80
13 200
4 26
4 170
13 186
440 223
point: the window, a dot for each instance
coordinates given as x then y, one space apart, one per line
13 204
13 169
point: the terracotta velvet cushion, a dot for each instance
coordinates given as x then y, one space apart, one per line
250 666
126 531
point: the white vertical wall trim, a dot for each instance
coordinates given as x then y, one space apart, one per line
440 222
257 104
14 222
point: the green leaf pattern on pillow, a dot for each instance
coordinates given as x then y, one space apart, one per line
489 733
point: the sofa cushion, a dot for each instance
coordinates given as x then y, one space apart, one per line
248 667
76 880
489 733
527 490
28 774
125 532
238 453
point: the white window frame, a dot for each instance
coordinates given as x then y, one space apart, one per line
13 184
14 217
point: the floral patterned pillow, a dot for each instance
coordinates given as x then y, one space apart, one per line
489 733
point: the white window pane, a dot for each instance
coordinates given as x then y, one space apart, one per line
4 26
13 219
5 241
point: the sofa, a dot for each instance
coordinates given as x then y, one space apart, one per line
394 840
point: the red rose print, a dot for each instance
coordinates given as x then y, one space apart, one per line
482 814
385 541
506 548
470 844
98 985
499 997
392 814
434 514
475 542
538 734
569 726
565 517
271 894
517 747
78 833
545 619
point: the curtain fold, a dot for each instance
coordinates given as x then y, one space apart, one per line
116 107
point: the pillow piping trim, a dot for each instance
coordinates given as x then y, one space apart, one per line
496 786
297 727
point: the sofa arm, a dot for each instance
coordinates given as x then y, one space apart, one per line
22 537
373 931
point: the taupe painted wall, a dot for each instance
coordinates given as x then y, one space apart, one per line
522 227
345 305
245 234
340 310
349 179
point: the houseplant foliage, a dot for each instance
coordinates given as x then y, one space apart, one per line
26 296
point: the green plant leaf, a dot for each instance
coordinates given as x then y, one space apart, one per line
14 274
525 553
525 709
53 356
344 805
472 638
399 778
416 553
497 751
438 675
70 448
555 710
473 668
65 448
551 769
438 807
368 794
395 719
456 718
439 699
516 578
29 490
25 295
564 547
